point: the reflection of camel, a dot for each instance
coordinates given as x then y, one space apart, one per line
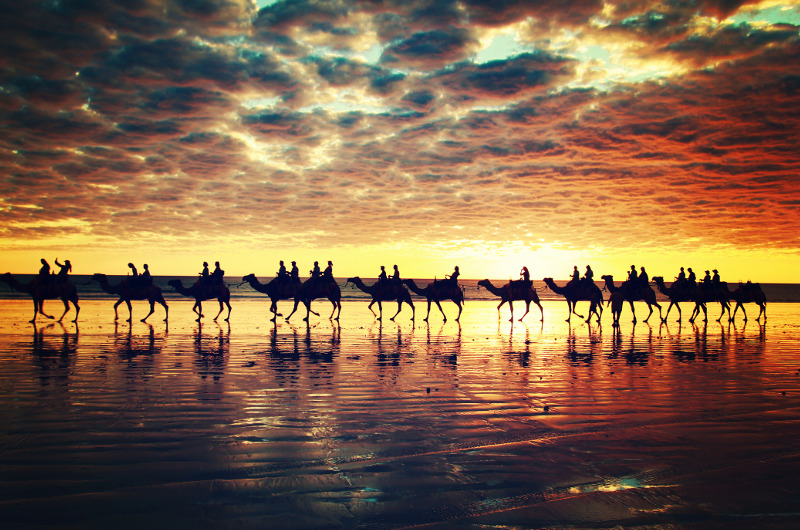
385 292
634 292
749 293
41 291
127 292
277 289
577 292
437 291
515 290
676 294
200 291
314 288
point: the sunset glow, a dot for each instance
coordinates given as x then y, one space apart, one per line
427 134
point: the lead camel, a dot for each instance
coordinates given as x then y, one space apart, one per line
41 290
511 292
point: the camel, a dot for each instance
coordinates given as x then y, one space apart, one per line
277 289
437 291
576 292
314 288
127 292
385 292
749 293
41 291
634 292
205 290
512 291
678 294
616 300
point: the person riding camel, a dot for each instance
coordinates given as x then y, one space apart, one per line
632 275
525 276
576 275
588 277
453 278
282 274
64 269
145 277
216 276
681 277
382 277
204 274
396 275
134 275
315 272
328 272
691 279
644 279
295 273
715 279
44 272
707 278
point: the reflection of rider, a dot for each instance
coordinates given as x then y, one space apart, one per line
65 268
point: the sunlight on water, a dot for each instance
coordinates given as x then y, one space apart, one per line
358 423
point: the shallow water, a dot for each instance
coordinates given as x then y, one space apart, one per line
481 423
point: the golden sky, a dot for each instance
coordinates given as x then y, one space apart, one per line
485 134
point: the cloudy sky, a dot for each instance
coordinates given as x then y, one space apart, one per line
485 133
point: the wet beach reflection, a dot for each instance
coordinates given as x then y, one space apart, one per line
363 423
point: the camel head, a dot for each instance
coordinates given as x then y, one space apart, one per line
607 277
249 277
658 279
485 283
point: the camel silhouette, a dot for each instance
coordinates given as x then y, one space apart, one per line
678 293
437 291
314 288
387 291
632 293
204 290
127 291
749 293
277 289
512 291
577 292
46 290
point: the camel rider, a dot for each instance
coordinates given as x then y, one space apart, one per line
382 276
64 269
715 279
216 276
575 276
588 278
328 272
632 275
204 273
295 273
692 279
315 272
707 278
396 275
145 277
525 275
644 279
282 271
134 275
681 277
44 272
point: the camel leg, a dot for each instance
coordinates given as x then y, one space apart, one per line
66 308
440 309
648 314
116 314
130 311
372 310
574 309
198 309
527 309
460 308
540 309
337 305
166 309
429 311
762 311
380 310
569 310
77 309
511 307
152 310
294 309
228 318
399 308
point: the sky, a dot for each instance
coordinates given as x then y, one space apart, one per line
428 134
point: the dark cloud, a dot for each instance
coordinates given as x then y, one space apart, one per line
431 49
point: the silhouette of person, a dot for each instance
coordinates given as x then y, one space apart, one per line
691 279
315 272
64 269
706 278
295 272
216 276
396 275
145 278
454 277
282 270
644 279
589 276
632 276
576 276
526 276
382 276
44 271
681 276
134 275
328 272
715 279
204 272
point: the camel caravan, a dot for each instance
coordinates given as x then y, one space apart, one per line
287 285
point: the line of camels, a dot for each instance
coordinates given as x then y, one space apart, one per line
305 293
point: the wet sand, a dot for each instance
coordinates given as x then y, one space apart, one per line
359 424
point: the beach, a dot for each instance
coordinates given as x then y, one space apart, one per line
357 423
